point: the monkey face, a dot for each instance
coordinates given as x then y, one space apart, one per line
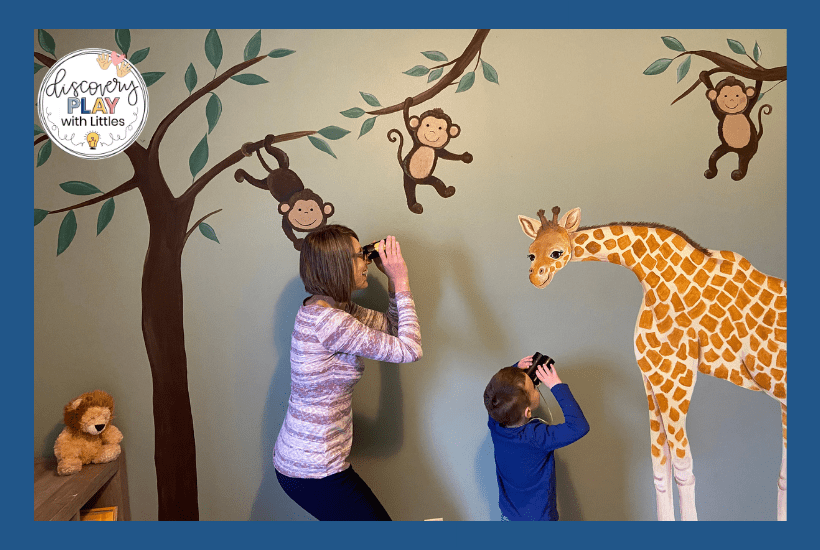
435 132
733 99
305 215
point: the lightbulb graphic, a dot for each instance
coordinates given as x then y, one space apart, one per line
93 139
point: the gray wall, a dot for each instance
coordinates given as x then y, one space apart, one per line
574 122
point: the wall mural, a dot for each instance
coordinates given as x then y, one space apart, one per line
703 311
162 294
731 100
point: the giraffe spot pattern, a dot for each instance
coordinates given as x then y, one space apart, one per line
735 317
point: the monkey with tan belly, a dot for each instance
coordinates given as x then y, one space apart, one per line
732 101
431 132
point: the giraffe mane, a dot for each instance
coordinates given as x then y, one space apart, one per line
686 237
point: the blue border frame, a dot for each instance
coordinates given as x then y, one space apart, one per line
692 14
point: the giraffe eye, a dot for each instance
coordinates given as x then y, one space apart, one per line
531 257
555 254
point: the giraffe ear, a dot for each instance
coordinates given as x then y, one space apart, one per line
571 220
530 226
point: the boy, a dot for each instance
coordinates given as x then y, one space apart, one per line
523 446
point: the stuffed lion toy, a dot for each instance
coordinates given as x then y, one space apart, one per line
88 436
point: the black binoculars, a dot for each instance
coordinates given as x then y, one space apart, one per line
370 252
538 359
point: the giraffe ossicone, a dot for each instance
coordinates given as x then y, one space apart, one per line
702 311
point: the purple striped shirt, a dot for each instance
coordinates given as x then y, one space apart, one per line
325 363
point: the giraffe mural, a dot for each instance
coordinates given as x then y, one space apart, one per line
703 311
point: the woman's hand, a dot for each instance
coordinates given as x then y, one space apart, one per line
392 264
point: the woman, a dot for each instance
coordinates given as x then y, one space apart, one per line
330 336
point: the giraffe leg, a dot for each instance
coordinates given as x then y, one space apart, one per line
661 459
781 483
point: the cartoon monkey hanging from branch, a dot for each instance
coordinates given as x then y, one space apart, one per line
434 129
302 210
731 100
430 133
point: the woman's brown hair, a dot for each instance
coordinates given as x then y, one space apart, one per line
326 262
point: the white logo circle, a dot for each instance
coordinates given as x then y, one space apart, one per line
93 103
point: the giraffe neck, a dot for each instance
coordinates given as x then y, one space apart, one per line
647 251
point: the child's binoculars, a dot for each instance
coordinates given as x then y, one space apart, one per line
371 251
538 359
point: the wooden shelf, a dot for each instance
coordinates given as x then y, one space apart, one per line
60 498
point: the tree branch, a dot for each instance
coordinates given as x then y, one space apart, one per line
45 60
202 219
727 64
191 193
472 49
156 139
41 138
133 183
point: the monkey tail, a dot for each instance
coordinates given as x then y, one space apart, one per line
768 110
393 140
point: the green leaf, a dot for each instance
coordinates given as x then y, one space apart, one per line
39 215
466 82
105 215
321 145
355 112
253 45
79 188
434 56
489 73
67 231
683 68
44 153
736 46
46 41
761 96
38 130
213 48
37 67
370 99
190 78
673 43
139 55
333 132
213 110
367 125
657 67
123 38
434 75
280 52
757 53
151 78
199 157
208 231
418 70
249 79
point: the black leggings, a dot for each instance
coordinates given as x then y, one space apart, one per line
343 496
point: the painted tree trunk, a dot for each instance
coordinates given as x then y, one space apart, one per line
162 328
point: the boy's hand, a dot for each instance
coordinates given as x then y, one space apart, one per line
547 376
525 362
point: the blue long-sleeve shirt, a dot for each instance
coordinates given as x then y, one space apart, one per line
524 460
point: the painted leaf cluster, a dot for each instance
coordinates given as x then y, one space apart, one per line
660 65
68 227
371 100
466 81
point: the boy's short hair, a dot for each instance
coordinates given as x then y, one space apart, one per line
505 397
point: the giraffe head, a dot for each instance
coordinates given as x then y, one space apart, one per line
551 248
